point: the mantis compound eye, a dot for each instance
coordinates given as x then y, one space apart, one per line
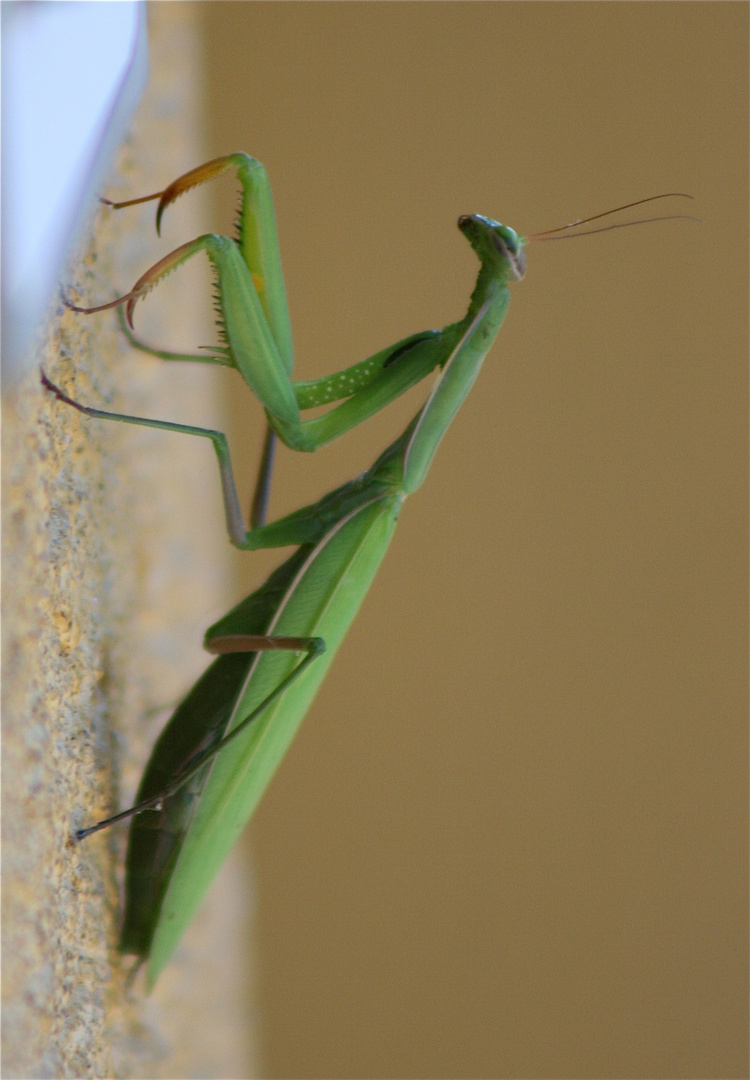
517 260
508 244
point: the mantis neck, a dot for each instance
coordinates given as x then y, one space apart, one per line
490 287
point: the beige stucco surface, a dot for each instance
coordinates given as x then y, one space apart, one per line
112 567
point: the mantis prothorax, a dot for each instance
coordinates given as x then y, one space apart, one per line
217 754
254 328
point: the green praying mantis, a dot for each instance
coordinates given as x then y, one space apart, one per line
222 745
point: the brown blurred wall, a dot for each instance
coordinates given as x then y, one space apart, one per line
510 839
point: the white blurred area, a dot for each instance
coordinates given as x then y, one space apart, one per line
72 74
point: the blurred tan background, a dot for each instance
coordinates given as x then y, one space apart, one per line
510 839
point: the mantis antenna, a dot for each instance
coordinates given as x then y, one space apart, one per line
546 235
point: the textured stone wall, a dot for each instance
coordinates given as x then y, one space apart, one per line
112 568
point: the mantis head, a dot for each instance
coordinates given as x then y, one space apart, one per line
498 246
501 249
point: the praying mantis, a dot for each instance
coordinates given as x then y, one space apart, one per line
222 745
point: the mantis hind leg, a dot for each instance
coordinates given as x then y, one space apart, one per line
223 646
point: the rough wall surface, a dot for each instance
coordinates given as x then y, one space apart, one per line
111 570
